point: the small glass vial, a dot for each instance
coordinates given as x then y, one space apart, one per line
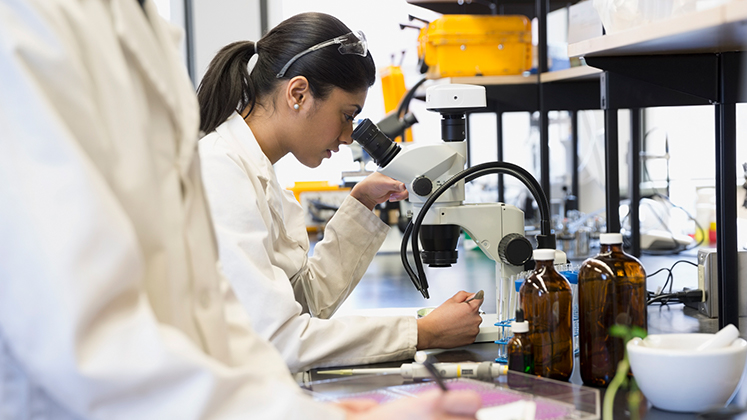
520 352
547 301
611 290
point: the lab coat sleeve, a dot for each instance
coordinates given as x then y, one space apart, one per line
351 239
265 289
74 317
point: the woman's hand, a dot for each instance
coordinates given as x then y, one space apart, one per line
431 405
378 188
455 323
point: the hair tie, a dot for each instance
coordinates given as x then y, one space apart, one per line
252 62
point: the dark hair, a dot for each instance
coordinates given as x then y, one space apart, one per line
228 87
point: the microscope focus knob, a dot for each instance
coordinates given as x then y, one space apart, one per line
515 249
422 186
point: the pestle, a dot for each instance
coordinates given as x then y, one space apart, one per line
723 338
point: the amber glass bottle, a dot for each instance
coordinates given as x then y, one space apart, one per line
547 301
611 290
520 352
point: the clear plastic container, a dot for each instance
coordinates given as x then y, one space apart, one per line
571 274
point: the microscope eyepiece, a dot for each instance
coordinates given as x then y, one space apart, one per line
381 148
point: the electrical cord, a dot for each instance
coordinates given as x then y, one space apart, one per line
403 256
687 295
546 237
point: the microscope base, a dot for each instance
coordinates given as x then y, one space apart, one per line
489 332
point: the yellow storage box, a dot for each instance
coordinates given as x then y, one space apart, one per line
471 45
393 87
314 197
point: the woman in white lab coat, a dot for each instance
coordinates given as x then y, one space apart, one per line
297 90
111 305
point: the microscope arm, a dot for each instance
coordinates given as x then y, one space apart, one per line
487 223
435 162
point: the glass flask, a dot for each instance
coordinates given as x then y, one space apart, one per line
611 290
547 301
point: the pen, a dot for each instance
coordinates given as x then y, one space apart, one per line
477 295
421 357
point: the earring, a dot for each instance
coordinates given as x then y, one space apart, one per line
296 106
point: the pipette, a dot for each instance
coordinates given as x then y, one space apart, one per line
416 371
422 358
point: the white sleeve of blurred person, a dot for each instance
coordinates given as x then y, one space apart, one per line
110 302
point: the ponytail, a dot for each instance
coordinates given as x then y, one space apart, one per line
226 86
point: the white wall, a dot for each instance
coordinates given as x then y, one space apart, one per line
217 23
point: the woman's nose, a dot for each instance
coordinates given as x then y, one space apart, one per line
346 135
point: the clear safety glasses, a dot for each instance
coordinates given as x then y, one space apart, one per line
350 43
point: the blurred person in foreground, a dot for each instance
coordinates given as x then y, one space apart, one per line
111 302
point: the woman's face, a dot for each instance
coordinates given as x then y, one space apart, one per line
328 124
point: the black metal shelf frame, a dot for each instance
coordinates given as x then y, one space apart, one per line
658 80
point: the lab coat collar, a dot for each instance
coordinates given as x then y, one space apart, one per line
143 35
237 128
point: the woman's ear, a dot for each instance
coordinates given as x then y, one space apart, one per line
298 93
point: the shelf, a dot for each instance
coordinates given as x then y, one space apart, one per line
504 7
566 75
571 74
722 28
490 80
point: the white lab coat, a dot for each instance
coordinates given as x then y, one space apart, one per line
264 252
111 305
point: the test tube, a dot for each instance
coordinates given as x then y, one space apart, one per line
504 294
518 282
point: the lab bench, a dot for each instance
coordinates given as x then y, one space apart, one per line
486 352
386 285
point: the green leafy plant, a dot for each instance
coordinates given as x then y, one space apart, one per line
621 378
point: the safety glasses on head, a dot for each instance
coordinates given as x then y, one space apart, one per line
350 43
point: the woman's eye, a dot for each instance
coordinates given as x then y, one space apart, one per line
348 117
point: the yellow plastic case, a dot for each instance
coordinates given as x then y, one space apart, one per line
322 191
470 45
393 86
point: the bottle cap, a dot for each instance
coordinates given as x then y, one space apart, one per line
519 326
544 255
610 238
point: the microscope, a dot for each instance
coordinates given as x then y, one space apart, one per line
435 174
